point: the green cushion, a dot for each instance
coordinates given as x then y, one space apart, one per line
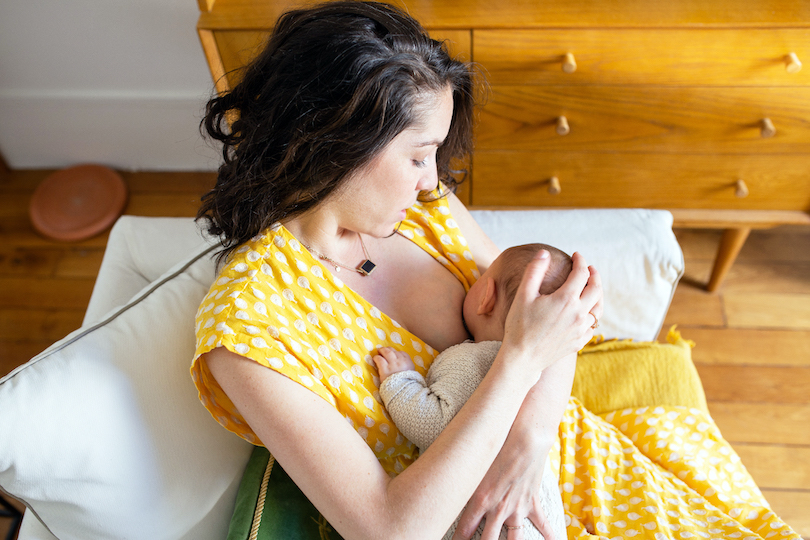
286 513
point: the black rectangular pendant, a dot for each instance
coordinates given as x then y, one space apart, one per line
367 267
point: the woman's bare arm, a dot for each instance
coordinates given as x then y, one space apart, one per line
508 492
339 473
505 496
511 490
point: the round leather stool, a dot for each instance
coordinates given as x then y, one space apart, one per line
78 202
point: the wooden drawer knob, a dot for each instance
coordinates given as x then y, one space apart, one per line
767 128
740 189
554 185
792 63
569 64
562 126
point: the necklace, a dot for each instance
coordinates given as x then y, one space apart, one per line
365 268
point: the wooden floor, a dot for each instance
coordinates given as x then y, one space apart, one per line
753 336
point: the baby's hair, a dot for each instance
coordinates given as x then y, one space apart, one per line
513 263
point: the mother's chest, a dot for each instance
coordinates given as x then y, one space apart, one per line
415 290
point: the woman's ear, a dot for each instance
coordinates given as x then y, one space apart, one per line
490 298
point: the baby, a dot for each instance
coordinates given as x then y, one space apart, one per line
422 409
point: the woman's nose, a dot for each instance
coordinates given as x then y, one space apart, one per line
429 181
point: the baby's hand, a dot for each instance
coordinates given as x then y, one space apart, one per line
390 361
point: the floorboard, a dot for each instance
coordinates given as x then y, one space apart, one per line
79 263
755 384
777 466
738 346
53 293
768 310
743 422
697 307
17 324
16 261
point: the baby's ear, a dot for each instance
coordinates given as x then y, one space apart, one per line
490 298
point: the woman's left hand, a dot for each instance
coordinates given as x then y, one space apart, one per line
509 493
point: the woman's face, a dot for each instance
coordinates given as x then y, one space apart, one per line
375 198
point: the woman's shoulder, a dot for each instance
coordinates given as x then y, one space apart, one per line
265 259
434 212
254 280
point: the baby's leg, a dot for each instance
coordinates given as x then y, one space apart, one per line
390 361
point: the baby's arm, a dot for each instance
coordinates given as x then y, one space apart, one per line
417 411
420 409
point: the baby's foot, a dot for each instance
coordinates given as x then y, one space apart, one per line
390 361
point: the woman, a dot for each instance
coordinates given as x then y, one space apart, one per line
348 117
339 238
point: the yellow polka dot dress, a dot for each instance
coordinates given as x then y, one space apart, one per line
277 304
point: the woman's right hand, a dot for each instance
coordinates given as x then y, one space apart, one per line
554 325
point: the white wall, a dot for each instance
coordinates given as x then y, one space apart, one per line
116 82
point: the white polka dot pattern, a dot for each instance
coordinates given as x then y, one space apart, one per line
277 304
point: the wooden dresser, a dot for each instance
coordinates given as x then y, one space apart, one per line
700 107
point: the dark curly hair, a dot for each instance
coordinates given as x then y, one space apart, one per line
333 86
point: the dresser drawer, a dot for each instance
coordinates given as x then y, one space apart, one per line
717 56
641 180
633 118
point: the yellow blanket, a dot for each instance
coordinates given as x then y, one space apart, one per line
652 471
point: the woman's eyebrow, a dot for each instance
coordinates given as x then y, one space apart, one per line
435 142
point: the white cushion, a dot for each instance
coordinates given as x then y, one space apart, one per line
140 250
103 434
634 250
33 529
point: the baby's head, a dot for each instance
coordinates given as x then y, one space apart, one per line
489 299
